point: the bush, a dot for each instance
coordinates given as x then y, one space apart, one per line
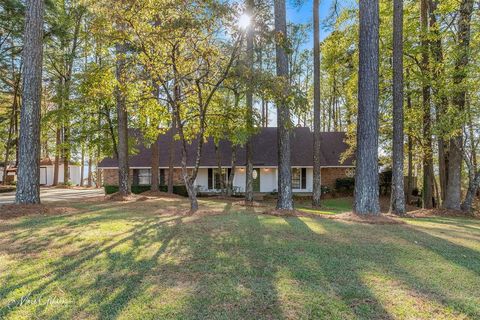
345 184
7 189
180 190
110 189
415 192
325 190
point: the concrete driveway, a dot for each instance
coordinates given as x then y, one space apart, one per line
57 195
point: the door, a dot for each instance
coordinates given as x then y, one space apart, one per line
256 180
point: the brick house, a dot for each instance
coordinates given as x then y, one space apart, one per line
264 162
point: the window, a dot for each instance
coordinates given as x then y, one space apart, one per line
296 178
214 178
144 177
299 178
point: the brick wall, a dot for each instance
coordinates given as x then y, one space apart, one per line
330 176
110 176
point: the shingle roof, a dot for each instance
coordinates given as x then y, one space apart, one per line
264 151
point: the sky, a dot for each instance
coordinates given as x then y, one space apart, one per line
304 14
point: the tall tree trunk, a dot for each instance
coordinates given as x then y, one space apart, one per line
66 154
409 145
82 166
28 186
366 180
171 157
249 102
454 183
89 177
266 114
427 121
441 103
123 168
155 164
231 176
10 134
220 169
397 203
317 178
285 198
473 187
57 156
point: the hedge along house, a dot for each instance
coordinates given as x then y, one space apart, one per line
264 162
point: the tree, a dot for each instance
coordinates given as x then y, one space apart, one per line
317 179
249 100
285 200
397 203
366 180
123 168
454 183
426 100
28 187
62 49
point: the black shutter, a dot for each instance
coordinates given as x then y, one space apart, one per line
135 177
162 177
228 174
210 179
304 178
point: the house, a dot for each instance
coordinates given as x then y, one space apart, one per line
47 171
264 162
47 166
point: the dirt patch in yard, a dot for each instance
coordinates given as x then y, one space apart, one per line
287 213
10 211
253 204
122 198
425 213
160 194
383 218
348 216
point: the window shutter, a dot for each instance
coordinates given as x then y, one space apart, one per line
162 177
304 178
229 173
135 177
210 179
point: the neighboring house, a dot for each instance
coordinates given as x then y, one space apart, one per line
46 172
264 162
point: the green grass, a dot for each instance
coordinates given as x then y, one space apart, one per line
329 206
142 261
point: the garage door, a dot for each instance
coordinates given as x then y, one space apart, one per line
43 176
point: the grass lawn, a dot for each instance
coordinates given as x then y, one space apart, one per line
142 260
330 206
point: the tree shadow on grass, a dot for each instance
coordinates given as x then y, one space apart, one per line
327 268
233 266
400 262
67 268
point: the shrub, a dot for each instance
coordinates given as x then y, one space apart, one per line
345 184
180 190
415 192
7 189
110 189
325 190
